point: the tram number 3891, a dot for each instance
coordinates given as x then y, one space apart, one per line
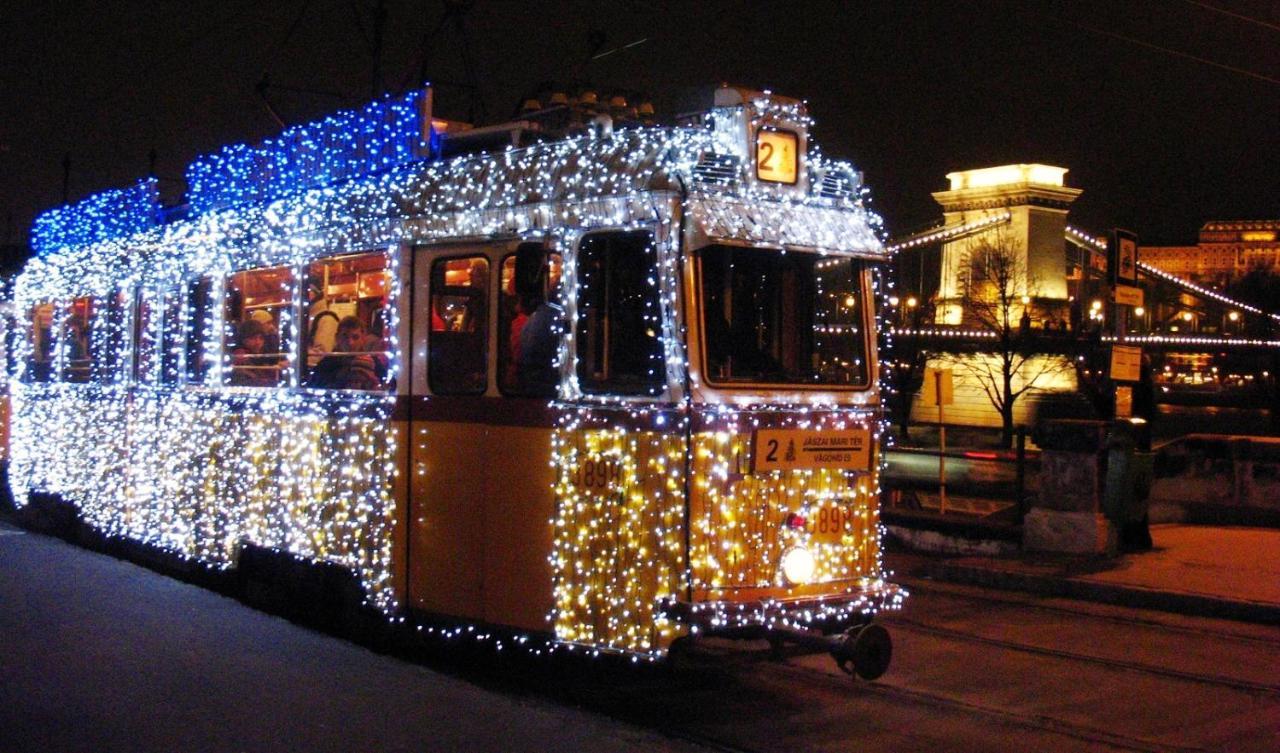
598 474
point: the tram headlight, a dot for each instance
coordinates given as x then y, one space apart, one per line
797 565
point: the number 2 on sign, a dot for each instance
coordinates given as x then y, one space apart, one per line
766 155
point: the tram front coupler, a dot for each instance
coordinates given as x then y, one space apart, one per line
863 650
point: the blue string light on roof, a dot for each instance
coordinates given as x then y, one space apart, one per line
106 215
347 144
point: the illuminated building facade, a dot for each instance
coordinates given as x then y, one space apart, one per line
1036 200
1227 250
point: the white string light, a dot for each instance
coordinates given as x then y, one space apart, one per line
199 469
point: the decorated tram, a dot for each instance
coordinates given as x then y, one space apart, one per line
604 382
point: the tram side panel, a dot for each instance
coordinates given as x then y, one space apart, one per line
201 473
619 548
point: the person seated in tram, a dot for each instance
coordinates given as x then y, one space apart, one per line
77 334
351 366
251 364
534 338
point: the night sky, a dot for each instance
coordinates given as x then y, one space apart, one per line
908 91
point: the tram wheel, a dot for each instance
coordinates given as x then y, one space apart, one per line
865 652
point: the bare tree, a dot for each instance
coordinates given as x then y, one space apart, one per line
995 292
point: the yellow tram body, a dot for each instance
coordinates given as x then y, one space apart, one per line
705 496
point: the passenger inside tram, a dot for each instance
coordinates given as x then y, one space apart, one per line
253 362
532 340
353 364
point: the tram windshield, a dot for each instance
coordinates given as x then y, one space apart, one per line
782 318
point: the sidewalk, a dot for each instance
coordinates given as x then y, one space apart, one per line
1210 571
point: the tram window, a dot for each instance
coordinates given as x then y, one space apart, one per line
40 367
346 339
525 287
458 359
78 336
170 336
199 314
773 318
11 335
113 339
145 342
619 327
257 332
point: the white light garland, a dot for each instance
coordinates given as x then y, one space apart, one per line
197 468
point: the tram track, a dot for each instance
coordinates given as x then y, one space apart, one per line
835 687
1212 680
1037 722
1101 612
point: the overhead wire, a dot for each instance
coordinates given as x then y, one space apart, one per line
1177 53
1233 14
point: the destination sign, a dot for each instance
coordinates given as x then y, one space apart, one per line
777 156
791 449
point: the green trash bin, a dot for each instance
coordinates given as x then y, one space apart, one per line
1130 468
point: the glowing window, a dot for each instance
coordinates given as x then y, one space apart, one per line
458 357
258 327
530 279
777 156
347 337
77 334
40 365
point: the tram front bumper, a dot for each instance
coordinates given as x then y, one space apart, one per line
828 613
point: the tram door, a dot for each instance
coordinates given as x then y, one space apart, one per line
481 484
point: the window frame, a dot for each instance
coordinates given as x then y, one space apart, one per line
503 329
662 385
487 335
50 362
866 321
287 344
302 341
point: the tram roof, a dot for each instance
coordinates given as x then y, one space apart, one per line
589 180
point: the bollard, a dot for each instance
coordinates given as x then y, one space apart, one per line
1067 514
1020 480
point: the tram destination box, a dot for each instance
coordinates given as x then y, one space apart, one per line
795 449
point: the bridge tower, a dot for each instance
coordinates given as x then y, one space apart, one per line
1036 201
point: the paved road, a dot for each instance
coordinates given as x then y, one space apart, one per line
97 654
100 655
